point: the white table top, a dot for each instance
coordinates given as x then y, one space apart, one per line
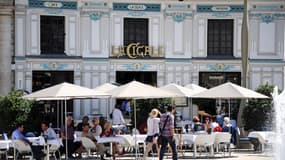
116 139
262 136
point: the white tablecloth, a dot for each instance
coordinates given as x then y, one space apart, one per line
116 139
262 136
5 144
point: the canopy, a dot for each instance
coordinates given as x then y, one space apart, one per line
138 90
229 90
65 91
105 87
195 88
177 89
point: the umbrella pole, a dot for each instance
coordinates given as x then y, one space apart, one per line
57 114
191 105
107 107
135 118
66 150
230 109
61 108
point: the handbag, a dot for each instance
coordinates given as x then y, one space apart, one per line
160 137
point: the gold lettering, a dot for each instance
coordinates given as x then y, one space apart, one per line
139 51
147 51
135 50
160 54
121 51
154 54
129 52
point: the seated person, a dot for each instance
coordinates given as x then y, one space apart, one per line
96 130
85 120
197 125
227 127
108 132
67 137
207 125
48 132
215 126
143 128
100 147
18 135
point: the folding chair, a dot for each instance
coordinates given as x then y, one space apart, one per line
21 148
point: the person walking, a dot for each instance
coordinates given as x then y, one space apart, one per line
152 131
167 123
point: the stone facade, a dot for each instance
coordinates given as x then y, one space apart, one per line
178 28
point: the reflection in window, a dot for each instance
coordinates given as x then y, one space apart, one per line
220 37
52 35
135 31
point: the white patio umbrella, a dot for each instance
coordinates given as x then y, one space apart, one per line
195 89
65 91
137 90
229 91
105 88
177 89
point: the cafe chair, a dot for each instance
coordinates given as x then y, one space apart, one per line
88 145
204 141
223 141
21 148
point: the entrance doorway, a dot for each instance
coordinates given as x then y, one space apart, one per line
212 79
123 77
51 111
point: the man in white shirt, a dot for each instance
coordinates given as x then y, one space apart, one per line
117 116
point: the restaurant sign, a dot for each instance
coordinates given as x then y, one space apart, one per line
137 51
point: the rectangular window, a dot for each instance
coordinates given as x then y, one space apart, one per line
220 38
52 34
135 31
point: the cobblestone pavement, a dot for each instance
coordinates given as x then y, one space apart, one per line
241 155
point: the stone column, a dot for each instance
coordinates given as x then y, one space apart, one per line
6 45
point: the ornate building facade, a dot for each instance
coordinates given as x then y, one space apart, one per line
89 42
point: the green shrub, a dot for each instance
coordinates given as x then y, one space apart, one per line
258 112
13 109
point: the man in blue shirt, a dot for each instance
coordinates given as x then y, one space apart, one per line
18 135
48 132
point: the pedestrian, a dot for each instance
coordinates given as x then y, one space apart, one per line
167 123
152 131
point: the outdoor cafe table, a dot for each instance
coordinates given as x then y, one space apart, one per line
189 139
263 137
40 141
114 139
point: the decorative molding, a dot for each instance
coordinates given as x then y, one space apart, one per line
178 16
271 7
219 8
98 5
136 67
221 14
53 11
54 66
147 7
220 67
95 15
136 14
178 7
53 4
268 17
